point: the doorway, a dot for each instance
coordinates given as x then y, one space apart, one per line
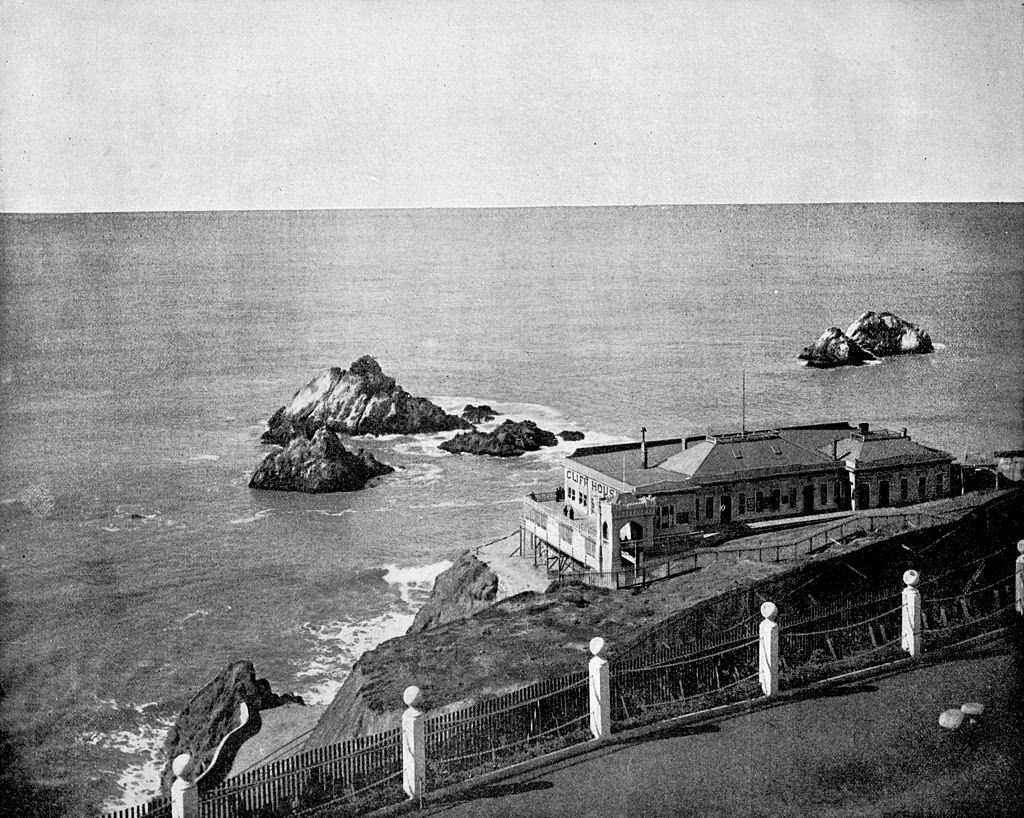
883 493
726 506
808 499
863 496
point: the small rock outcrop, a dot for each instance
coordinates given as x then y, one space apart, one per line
511 439
317 466
361 400
835 348
464 589
883 333
478 414
570 435
213 713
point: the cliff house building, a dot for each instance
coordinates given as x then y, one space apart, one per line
623 503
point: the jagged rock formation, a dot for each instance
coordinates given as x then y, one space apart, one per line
882 333
213 713
510 439
316 466
359 401
478 414
570 435
464 589
835 348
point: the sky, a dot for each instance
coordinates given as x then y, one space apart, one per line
124 105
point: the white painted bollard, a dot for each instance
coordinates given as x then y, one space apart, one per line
1020 578
414 757
768 658
184 793
600 691
910 639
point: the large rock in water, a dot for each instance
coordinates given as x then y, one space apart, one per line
359 401
213 713
464 589
835 348
478 414
510 439
317 466
882 333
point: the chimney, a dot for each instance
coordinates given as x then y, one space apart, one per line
864 428
643 446
904 431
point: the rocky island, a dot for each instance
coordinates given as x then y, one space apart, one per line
361 400
478 414
835 348
883 333
316 466
510 439
873 335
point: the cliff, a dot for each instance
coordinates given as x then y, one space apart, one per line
511 439
466 588
212 713
835 348
883 333
361 400
316 466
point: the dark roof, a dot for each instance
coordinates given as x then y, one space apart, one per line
622 461
886 449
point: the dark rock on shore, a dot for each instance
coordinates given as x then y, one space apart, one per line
316 466
466 588
883 333
570 435
511 439
361 400
478 414
213 713
835 348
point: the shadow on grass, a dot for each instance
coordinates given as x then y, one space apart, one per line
669 731
511 788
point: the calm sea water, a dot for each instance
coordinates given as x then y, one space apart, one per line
142 353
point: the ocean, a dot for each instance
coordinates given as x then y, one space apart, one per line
142 354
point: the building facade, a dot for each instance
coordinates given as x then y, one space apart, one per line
622 503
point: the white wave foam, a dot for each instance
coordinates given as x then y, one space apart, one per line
139 781
111 528
424 446
259 515
206 457
194 614
940 347
344 641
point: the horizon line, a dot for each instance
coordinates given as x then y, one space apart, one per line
158 211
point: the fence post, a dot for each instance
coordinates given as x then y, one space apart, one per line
1020 578
910 639
768 659
184 794
600 692
414 759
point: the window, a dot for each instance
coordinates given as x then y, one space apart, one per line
682 518
921 488
904 490
837 492
823 493
572 493
760 501
938 484
663 516
792 498
743 504
696 507
604 531
785 499
709 507
775 500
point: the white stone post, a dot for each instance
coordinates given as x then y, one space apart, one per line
414 757
184 794
910 639
768 660
600 692
1020 578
